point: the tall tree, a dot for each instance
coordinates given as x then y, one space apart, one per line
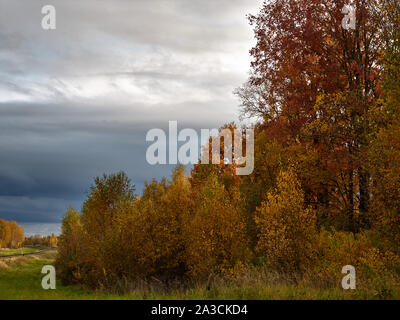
5 233
307 68
384 153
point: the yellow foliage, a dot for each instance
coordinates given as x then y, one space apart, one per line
287 229
11 234
384 161
156 226
68 258
216 235
338 249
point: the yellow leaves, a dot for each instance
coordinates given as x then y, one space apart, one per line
69 253
336 249
11 234
384 163
155 227
286 227
216 236
177 228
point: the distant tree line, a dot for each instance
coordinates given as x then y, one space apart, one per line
38 240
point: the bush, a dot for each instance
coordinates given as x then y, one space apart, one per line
337 249
216 235
156 227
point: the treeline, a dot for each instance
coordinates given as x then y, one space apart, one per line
45 241
11 234
325 191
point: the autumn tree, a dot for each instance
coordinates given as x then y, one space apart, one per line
385 162
315 83
100 219
384 153
5 233
20 236
69 253
53 240
287 226
215 150
11 234
16 235
158 224
391 85
216 235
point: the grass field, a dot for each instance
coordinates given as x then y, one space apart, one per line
10 252
20 278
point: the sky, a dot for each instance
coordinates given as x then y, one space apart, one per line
77 101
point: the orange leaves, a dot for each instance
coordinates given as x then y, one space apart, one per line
315 84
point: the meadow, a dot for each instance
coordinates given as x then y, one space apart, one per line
20 279
24 250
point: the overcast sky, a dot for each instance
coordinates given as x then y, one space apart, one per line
77 101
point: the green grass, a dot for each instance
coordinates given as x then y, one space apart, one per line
23 281
10 252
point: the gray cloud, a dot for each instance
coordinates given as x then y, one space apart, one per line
77 102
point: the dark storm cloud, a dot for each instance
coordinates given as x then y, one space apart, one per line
77 101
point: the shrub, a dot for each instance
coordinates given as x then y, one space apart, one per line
216 235
337 249
156 227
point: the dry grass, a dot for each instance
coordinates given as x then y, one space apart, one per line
257 283
12 261
21 278
8 262
3 265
